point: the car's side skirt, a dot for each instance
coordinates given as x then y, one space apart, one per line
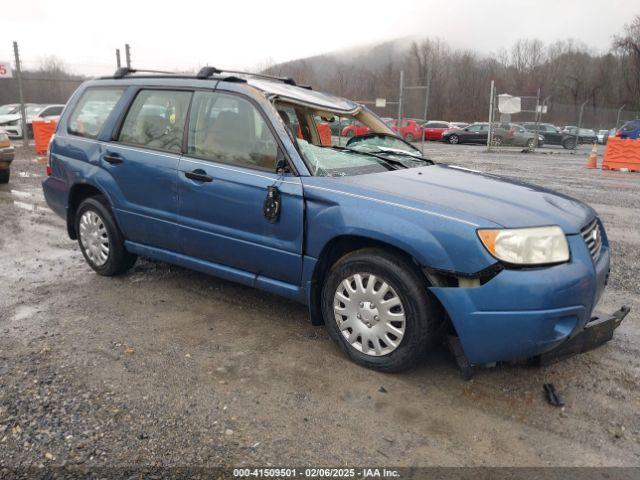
287 290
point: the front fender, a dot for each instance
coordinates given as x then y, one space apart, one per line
435 240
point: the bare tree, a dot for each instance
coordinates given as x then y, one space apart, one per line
628 46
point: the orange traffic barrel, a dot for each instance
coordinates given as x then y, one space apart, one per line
43 130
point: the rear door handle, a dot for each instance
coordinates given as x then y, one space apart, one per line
199 175
112 159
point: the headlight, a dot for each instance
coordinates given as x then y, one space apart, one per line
527 246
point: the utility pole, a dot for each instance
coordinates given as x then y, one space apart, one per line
23 113
579 126
400 99
618 117
127 54
538 118
492 97
426 106
118 65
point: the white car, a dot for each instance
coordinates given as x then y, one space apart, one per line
10 116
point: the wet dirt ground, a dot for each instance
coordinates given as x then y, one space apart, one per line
164 366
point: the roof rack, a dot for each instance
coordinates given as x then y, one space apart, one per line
124 71
206 72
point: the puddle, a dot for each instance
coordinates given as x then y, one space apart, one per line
32 207
19 193
24 312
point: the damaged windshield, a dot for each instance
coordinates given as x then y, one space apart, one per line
342 144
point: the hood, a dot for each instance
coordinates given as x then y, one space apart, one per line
9 118
502 201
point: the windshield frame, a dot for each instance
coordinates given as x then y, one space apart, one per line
361 114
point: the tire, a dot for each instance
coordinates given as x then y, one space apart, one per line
453 139
409 137
569 144
407 286
4 175
102 232
497 141
351 133
530 144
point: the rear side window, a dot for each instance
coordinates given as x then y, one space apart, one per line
156 120
92 111
230 129
51 112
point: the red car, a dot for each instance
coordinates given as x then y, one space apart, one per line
355 130
434 129
410 130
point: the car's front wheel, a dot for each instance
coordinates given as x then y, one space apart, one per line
376 307
453 139
100 239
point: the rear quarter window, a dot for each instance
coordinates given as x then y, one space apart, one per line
92 110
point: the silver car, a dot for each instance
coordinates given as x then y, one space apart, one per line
512 134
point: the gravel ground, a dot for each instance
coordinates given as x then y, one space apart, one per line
167 367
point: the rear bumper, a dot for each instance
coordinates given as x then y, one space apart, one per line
6 156
56 193
523 313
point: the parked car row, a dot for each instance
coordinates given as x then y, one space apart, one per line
10 117
503 134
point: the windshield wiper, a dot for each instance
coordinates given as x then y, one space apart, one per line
385 151
389 161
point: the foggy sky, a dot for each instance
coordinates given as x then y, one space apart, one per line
185 34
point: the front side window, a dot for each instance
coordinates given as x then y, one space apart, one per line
92 111
229 129
156 120
474 128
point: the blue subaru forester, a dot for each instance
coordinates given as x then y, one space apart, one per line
237 175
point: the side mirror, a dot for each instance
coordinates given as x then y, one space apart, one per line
466 129
282 166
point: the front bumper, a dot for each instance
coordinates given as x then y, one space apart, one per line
523 313
14 131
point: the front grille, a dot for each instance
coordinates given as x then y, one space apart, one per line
593 238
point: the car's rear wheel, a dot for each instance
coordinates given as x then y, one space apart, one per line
4 175
497 141
453 139
409 137
100 239
530 144
376 307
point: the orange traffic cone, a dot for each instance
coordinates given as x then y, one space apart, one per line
592 162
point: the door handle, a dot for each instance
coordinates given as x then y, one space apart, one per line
198 175
112 159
